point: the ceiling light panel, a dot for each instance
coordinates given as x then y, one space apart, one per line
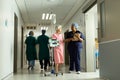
47 16
43 16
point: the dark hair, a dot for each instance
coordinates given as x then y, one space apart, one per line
31 33
43 32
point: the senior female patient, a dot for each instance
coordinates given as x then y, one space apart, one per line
58 50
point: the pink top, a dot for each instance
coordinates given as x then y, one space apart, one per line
59 50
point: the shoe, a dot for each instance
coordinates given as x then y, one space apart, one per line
28 67
52 71
42 69
70 72
56 74
45 70
32 68
78 72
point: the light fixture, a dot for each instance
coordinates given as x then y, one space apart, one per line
51 15
54 19
43 16
41 28
50 0
44 28
47 16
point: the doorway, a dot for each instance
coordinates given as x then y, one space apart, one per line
91 39
15 42
22 34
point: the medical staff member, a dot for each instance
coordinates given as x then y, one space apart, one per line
31 50
43 41
74 39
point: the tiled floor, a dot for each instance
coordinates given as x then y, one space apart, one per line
37 75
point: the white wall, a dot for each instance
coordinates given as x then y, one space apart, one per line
7 9
37 31
20 24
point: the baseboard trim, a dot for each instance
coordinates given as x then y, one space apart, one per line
7 76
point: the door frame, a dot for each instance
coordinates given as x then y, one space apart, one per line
86 8
22 34
15 43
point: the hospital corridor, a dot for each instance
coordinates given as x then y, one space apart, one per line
59 39
36 74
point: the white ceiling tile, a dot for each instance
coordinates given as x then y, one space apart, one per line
32 10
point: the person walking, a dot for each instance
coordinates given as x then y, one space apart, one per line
74 39
58 50
31 50
44 56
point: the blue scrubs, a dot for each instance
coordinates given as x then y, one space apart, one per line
74 49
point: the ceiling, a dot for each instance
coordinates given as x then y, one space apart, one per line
32 10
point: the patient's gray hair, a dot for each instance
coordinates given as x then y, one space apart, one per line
58 27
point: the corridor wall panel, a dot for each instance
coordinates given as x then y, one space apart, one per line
109 39
7 10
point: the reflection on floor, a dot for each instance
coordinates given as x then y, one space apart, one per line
37 75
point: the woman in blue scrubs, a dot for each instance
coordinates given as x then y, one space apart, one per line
74 39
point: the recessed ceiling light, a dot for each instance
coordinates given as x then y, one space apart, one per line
50 16
50 0
47 16
43 16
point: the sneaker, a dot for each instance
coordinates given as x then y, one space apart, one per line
45 70
32 68
28 67
42 69
78 72
70 72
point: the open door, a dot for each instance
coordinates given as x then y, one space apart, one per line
22 34
91 35
91 29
